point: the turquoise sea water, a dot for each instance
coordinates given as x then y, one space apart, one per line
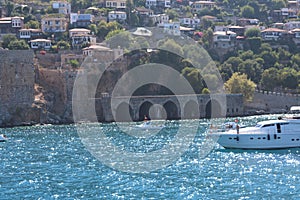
51 162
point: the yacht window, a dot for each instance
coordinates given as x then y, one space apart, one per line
284 123
267 125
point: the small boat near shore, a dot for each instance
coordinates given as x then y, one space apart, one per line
149 126
281 133
3 138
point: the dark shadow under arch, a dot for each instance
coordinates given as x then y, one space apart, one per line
191 110
124 113
172 110
213 109
144 110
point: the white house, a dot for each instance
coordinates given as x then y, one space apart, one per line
30 33
158 3
78 31
117 16
272 33
171 28
200 5
190 22
40 44
63 7
291 25
160 19
119 4
224 39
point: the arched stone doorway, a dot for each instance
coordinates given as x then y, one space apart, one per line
144 110
213 109
191 110
124 113
172 110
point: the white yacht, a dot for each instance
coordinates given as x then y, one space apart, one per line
270 134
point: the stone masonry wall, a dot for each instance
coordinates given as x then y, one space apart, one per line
16 86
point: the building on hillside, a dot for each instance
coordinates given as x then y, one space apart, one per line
239 30
119 16
296 34
102 53
224 39
11 25
273 34
29 34
160 19
171 28
291 25
190 21
143 11
283 14
63 7
117 4
81 20
247 21
42 44
200 5
158 3
81 37
54 24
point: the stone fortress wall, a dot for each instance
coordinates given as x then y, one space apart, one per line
32 94
17 74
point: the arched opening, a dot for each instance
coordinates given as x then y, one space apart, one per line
123 113
144 110
191 110
171 110
213 109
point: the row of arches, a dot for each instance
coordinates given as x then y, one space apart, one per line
168 110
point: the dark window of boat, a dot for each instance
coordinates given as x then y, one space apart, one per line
267 125
278 128
284 123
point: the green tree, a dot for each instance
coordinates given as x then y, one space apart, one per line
247 11
270 79
205 91
173 14
94 29
193 76
239 83
18 45
63 45
32 24
252 32
234 62
252 68
278 4
270 58
288 78
6 39
74 64
119 38
254 44
207 38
